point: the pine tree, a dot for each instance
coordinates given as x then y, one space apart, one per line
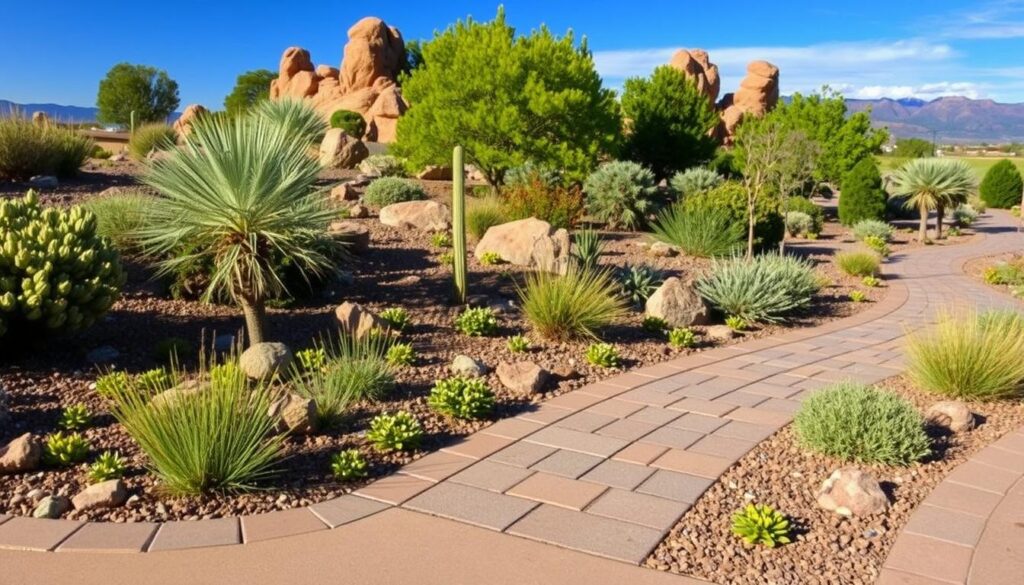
862 196
1002 185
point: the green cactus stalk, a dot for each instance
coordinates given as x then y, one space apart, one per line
459 225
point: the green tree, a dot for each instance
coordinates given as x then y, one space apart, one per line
670 121
1002 185
844 141
933 183
251 88
913 148
507 100
862 196
127 88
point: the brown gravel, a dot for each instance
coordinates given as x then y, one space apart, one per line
828 548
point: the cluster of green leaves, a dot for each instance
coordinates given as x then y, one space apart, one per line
588 248
383 165
622 194
401 354
518 344
761 524
694 181
731 198
490 258
147 92
75 418
351 122
699 230
442 239
151 137
65 450
805 205
529 171
576 304
913 148
109 465
862 197
120 217
858 296
854 422
682 337
638 282
251 88
396 318
353 369
28 149
965 215
799 223
858 263
867 228
1009 272
477 322
1002 185
389 190
736 323
349 464
766 288
395 432
878 245
652 324
604 355
466 398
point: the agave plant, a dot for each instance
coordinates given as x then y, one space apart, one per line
241 193
933 183
295 116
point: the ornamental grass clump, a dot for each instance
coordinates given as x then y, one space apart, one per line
151 138
352 369
28 149
761 524
765 289
970 356
484 214
465 398
120 217
576 304
705 232
854 422
858 263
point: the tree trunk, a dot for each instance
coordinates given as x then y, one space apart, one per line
922 229
750 231
940 212
255 311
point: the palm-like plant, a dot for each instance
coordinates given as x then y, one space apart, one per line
296 116
240 193
933 183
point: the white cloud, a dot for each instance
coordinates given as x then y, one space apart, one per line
926 91
1003 19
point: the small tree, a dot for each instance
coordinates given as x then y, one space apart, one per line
760 144
251 88
1002 185
127 88
933 183
797 161
913 148
862 196
507 100
669 122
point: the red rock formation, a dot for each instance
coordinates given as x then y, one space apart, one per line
183 125
698 67
366 82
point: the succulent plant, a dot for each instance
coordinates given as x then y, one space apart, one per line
401 354
349 464
154 381
682 337
490 258
56 274
858 296
396 317
654 324
75 417
761 524
109 465
65 450
441 240
639 282
518 344
395 432
466 398
603 354
871 281
736 323
111 383
477 322
314 358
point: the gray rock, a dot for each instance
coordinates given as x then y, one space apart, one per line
20 455
296 415
852 492
106 494
678 303
102 355
522 377
43 182
51 507
950 414
356 320
338 150
465 366
263 360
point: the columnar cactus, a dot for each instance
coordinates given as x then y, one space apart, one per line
56 274
459 225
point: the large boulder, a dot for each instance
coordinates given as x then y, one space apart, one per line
429 216
338 150
107 494
356 320
529 242
263 360
21 454
522 377
295 415
696 65
852 492
678 303
353 233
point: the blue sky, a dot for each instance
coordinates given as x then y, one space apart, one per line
56 51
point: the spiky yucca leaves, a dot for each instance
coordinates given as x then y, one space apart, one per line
119 218
296 117
576 304
240 193
765 288
934 183
700 231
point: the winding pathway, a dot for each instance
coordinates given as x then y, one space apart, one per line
602 473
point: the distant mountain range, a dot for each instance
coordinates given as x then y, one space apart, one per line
951 119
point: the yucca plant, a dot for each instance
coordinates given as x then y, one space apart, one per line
765 288
934 183
701 231
296 117
588 248
240 194
354 369
576 304
638 282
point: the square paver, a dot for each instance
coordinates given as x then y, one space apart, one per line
700 423
673 437
607 537
930 558
700 464
585 421
681 487
742 398
280 524
760 415
615 407
478 446
437 466
1002 458
640 452
522 454
589 443
648 396
574 400
394 489
627 429
619 474
947 525
512 428
197 534
469 504
567 463
346 509
643 509
488 475
558 491
123 537
23 533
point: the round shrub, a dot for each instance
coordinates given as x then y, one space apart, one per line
622 194
765 288
529 172
731 197
576 304
151 137
383 165
484 214
56 274
1002 185
351 122
388 190
694 181
854 422
465 398
805 205
866 228
799 223
862 196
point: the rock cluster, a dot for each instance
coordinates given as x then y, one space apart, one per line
183 125
365 83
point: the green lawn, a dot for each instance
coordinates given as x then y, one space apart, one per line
978 163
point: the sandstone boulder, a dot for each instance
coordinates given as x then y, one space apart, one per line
852 492
263 360
338 150
353 233
295 415
358 211
522 377
719 333
698 68
344 192
428 216
356 320
374 50
527 242
21 454
950 414
435 173
296 78
662 250
183 125
678 303
107 494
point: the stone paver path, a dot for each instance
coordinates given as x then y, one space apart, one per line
606 470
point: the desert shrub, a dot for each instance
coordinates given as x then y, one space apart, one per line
682 337
28 149
799 223
973 356
725 164
518 344
401 354
588 249
490 258
964 215
853 422
56 274
151 137
622 194
858 263
694 181
396 318
466 398
349 464
736 323
527 173
698 230
109 465
477 322
878 245
388 190
441 240
766 288
761 524
75 418
351 122
603 355
862 196
383 165
805 205
1002 185
977 203
872 227
217 439
484 214
638 282
1010 273
120 217
395 432
65 450
352 370
576 304
295 117
135 92
652 324
560 206
731 197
